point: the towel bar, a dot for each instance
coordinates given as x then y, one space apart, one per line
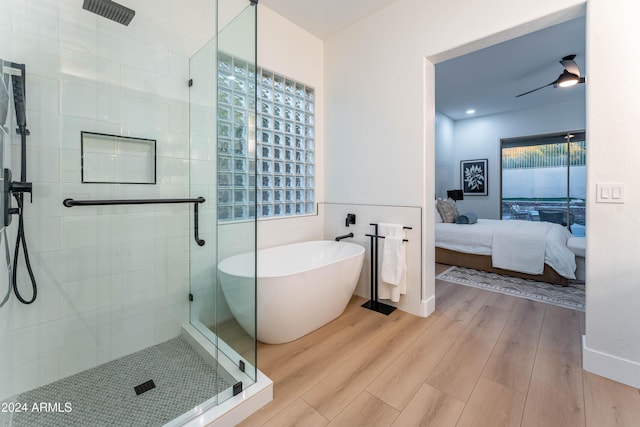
71 203
373 303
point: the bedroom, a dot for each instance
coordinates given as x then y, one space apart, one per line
480 117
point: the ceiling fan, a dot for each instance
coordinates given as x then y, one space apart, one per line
569 77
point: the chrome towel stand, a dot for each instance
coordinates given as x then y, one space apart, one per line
373 303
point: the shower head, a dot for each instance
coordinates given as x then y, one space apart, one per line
16 72
19 100
110 10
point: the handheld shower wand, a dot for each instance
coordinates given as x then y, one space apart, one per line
19 102
19 188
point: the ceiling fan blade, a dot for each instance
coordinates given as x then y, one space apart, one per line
582 80
541 87
570 65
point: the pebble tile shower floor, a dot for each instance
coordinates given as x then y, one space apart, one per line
105 396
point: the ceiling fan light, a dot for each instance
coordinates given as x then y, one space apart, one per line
567 79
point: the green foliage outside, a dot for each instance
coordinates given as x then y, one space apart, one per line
540 156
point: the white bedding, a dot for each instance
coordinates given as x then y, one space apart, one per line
520 246
479 239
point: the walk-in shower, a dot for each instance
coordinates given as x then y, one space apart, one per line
124 151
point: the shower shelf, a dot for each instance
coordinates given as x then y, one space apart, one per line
71 203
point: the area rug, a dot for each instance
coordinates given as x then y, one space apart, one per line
572 297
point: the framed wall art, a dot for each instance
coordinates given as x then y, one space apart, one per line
473 177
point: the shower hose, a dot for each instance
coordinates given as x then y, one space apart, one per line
20 238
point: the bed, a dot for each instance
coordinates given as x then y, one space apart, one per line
527 249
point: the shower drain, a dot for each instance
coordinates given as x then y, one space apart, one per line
146 386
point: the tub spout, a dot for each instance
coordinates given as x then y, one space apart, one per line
343 237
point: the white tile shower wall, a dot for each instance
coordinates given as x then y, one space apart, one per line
111 280
334 220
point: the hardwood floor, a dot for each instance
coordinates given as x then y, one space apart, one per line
482 359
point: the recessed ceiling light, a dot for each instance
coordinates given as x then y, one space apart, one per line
471 111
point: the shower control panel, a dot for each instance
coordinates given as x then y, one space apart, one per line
10 187
6 196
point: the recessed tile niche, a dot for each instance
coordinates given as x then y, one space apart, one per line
117 159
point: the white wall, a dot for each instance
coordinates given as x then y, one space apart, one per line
111 280
335 215
613 296
479 138
287 49
444 148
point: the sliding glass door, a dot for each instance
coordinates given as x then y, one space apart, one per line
544 179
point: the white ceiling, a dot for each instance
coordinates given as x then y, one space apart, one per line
486 80
489 79
323 18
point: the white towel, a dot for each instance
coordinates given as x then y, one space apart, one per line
394 262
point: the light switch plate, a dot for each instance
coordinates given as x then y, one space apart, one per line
610 193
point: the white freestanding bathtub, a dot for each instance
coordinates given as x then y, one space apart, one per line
300 287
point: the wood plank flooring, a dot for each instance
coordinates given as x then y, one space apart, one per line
482 359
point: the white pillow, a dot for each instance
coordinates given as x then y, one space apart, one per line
448 210
438 217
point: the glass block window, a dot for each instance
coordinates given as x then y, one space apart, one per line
235 164
285 144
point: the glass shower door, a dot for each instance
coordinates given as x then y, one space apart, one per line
222 169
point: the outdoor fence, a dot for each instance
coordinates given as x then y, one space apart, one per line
544 156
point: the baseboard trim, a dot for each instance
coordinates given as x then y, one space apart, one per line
615 368
428 306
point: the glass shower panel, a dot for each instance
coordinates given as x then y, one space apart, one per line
222 169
